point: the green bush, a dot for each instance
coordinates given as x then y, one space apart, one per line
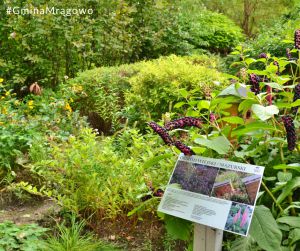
32 119
210 31
108 176
144 90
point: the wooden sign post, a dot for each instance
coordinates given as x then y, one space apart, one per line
207 238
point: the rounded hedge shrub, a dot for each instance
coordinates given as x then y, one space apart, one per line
140 91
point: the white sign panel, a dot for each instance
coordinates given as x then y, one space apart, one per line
213 192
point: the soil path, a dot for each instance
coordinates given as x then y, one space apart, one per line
29 213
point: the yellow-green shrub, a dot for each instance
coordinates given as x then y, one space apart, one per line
145 89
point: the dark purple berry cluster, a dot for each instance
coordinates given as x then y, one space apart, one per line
162 132
296 97
183 122
297 39
254 81
290 132
177 123
183 148
263 55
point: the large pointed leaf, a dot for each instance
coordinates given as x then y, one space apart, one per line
233 120
220 144
230 90
289 187
265 230
251 127
264 112
292 221
294 166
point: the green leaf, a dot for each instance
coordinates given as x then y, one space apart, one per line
235 53
220 144
257 72
229 100
184 93
287 41
275 85
249 61
282 80
265 230
255 126
199 150
288 188
179 104
178 228
296 103
203 104
242 243
156 159
230 90
294 236
246 104
292 221
284 176
233 120
264 112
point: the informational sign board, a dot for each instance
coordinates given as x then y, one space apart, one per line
213 192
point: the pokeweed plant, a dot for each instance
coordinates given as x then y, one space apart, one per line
256 120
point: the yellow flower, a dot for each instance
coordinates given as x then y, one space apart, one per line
7 93
4 110
68 107
30 104
1 80
77 88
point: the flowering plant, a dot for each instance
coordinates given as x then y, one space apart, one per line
255 120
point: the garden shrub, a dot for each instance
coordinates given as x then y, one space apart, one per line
32 119
105 175
145 89
210 31
159 83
